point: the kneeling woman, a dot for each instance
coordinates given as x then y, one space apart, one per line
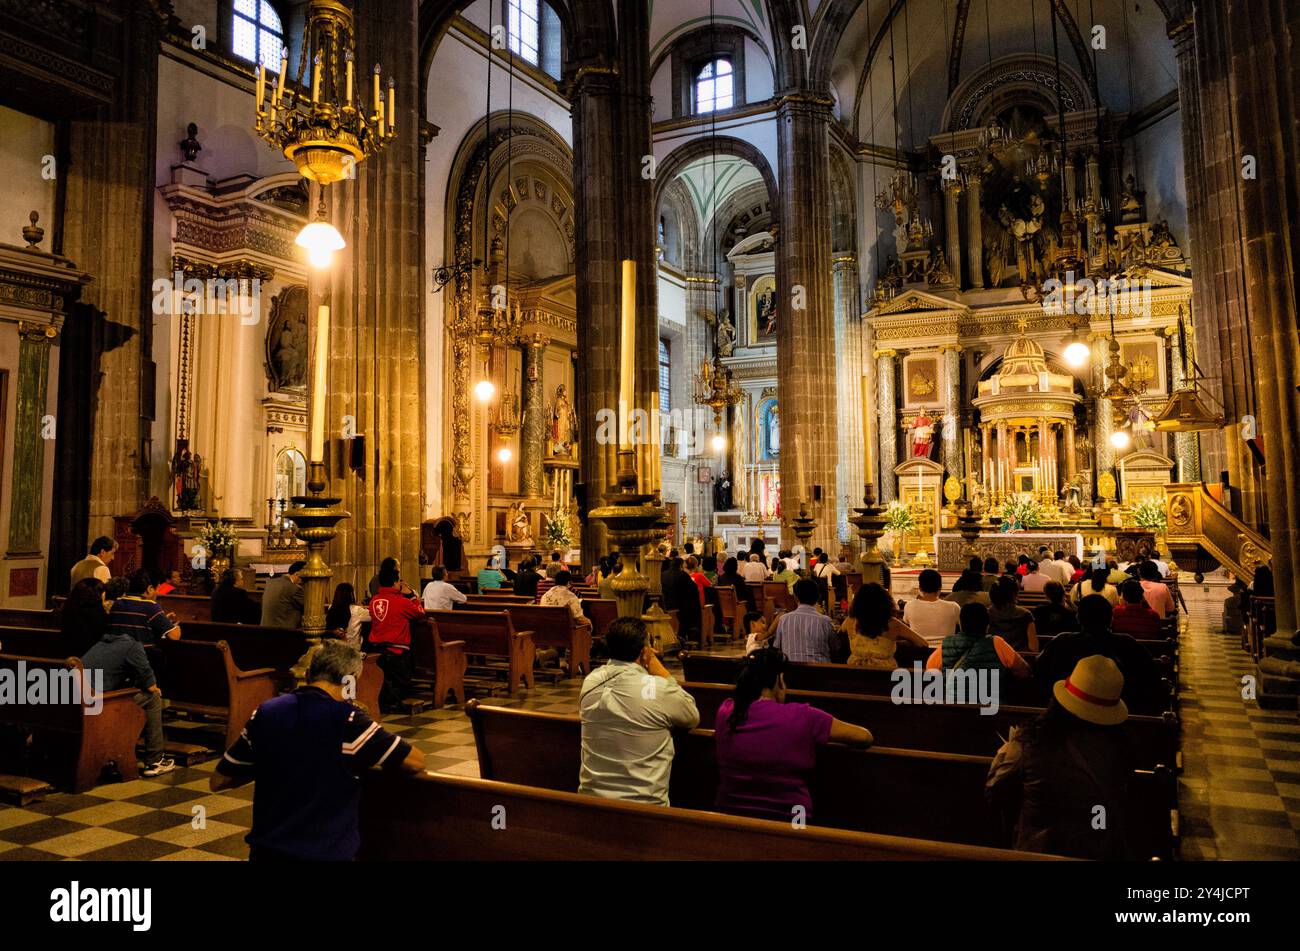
767 748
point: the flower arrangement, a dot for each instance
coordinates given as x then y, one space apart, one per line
1149 513
899 518
557 528
217 537
1022 510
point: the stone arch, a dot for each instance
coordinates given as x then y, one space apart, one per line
704 146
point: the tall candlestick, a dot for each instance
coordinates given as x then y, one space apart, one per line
392 107
261 87
627 352
279 81
375 76
315 79
349 87
319 366
383 117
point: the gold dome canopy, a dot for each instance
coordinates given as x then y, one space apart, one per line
1024 373
1023 357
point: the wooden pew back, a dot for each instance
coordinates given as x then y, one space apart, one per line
22 617
251 645
436 817
490 633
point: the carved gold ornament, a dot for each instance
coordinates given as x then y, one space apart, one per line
1180 511
922 384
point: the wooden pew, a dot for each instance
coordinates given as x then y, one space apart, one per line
90 741
731 609
601 612
505 597
841 678
442 662
945 728
252 646
202 678
437 817
885 791
189 607
35 642
551 627
491 633
22 617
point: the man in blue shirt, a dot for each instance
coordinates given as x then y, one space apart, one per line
305 749
805 635
139 616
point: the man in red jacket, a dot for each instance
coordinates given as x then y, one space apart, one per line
1133 615
392 610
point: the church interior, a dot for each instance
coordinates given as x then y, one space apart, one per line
335 300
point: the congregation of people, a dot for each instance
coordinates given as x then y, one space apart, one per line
1079 640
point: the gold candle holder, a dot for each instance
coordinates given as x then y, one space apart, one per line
632 519
315 517
870 523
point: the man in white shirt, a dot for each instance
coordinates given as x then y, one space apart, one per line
1161 565
929 615
629 708
1058 568
562 596
95 565
1035 578
754 569
791 560
439 595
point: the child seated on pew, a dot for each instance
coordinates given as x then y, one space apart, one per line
767 748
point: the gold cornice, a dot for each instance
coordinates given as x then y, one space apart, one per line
886 352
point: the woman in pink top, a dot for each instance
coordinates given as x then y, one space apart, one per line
766 747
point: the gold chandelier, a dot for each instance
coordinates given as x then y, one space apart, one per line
321 122
716 389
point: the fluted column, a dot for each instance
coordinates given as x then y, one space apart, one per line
849 428
952 456
974 233
805 352
985 459
1069 452
533 422
952 230
1103 421
29 443
887 413
1186 451
1004 459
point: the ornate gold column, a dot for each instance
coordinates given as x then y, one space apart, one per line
950 354
985 459
1003 460
1069 451
888 416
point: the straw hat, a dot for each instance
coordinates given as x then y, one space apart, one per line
1092 691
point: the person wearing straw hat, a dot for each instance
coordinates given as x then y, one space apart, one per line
1062 781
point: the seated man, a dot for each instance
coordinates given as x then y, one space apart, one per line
304 750
1035 579
1133 616
172 584
781 571
439 595
1156 591
805 635
122 660
753 569
526 579
392 610
562 596
282 598
929 615
1141 675
138 615
629 708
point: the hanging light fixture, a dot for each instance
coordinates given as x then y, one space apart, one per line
1186 412
317 122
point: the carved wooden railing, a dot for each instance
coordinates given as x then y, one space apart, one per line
1192 514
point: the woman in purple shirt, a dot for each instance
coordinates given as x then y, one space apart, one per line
766 747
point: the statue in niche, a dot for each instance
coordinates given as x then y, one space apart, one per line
564 423
922 429
726 334
937 274
1130 206
773 428
286 340
186 467
190 147
1072 493
519 527
722 494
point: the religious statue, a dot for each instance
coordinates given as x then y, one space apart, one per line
185 468
519 527
922 435
766 310
726 334
1130 207
289 353
564 423
190 147
937 274
773 426
980 501
722 494
1072 492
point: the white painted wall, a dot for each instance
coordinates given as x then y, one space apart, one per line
25 141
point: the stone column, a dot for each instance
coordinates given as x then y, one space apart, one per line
1094 191
985 459
1103 421
952 454
974 233
594 92
849 369
952 230
29 440
1004 459
887 414
533 421
701 294
375 290
1069 451
805 351
1044 470
1186 452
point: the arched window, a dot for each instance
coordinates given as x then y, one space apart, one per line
523 25
665 378
714 86
256 33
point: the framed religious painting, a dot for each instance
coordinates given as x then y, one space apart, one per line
1145 359
921 380
762 310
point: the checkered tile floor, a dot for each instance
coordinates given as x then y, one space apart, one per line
1239 795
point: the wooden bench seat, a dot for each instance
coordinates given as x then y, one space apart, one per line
491 633
440 661
21 617
251 645
35 642
86 740
907 793
200 677
437 817
552 627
